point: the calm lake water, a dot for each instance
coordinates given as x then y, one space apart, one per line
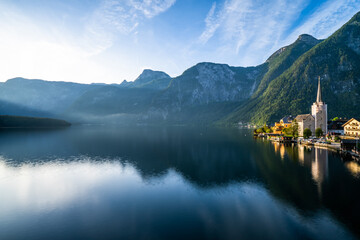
172 183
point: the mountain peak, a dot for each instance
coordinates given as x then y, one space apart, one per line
355 18
149 74
16 79
147 70
150 71
308 39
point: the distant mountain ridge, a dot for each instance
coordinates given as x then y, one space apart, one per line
42 96
209 93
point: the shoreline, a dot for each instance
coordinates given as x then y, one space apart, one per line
335 147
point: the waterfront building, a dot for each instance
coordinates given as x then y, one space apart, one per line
319 111
317 118
352 127
336 127
305 121
285 122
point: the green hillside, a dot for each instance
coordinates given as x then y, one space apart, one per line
336 60
282 59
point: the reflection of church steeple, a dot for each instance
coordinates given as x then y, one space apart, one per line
319 167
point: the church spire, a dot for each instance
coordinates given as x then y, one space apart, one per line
318 98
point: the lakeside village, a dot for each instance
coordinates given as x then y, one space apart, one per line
314 129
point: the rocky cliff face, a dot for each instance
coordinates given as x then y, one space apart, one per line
209 82
204 88
218 83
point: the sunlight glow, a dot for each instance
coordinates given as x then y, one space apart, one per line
109 41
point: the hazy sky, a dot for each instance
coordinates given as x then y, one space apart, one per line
112 40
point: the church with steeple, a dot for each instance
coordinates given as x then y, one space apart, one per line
319 111
317 118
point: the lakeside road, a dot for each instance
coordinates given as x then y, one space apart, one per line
333 146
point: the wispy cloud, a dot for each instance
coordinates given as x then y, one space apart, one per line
212 23
328 18
115 17
256 25
253 29
151 8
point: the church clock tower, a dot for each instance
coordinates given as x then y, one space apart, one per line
319 111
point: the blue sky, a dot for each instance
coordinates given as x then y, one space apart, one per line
112 40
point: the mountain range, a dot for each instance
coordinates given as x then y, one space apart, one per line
209 93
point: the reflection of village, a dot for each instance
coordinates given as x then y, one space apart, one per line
317 159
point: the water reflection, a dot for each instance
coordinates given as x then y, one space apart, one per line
302 155
317 159
319 167
206 157
54 184
354 168
170 183
102 196
325 183
278 147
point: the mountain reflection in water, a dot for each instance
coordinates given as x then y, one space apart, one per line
171 183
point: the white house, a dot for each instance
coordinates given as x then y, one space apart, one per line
352 128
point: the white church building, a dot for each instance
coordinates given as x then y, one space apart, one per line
317 118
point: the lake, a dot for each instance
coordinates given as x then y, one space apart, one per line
172 183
